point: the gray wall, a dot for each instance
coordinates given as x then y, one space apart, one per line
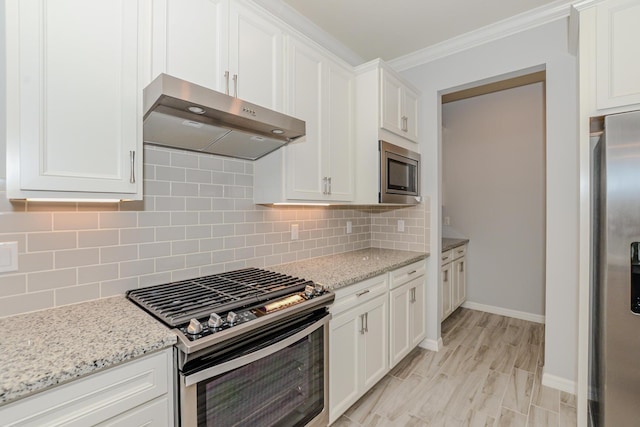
493 191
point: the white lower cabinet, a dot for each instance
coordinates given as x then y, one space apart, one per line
358 345
371 330
136 393
406 311
453 280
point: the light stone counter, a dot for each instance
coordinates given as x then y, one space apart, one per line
339 270
46 348
449 243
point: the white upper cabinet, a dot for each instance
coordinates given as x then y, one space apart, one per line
318 166
617 53
398 106
220 44
75 74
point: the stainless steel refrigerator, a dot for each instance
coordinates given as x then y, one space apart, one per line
614 392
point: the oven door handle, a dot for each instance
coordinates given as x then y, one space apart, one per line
252 357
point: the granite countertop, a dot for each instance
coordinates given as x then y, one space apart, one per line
339 270
46 348
448 243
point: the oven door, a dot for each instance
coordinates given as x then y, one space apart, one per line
279 379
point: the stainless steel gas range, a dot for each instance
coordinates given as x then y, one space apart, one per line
252 347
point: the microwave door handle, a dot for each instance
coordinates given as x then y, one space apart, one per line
241 361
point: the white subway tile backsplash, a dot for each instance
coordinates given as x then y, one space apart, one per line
118 220
35 261
75 294
76 257
52 279
137 268
98 273
154 250
24 303
197 218
118 253
137 235
98 238
37 242
117 287
25 222
13 285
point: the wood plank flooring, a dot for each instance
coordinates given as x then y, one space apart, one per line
488 375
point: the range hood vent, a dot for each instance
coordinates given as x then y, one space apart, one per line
184 115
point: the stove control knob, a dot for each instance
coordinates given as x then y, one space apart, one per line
194 327
319 289
232 318
309 291
215 321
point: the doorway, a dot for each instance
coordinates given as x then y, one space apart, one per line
493 192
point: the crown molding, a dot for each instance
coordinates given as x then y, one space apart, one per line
310 29
539 16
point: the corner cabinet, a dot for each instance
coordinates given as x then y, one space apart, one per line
318 166
139 392
406 311
75 71
358 345
617 53
453 279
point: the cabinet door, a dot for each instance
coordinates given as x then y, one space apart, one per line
400 317
618 53
459 273
255 57
338 128
410 114
418 308
344 339
446 289
155 413
191 40
391 103
75 74
375 348
305 170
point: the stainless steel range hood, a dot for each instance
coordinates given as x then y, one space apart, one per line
184 115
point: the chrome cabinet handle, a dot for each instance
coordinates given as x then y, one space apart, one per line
359 294
444 258
446 276
405 123
366 322
362 330
412 272
329 181
235 85
324 185
226 82
413 294
461 268
132 159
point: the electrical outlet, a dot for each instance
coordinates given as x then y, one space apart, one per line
349 227
8 256
446 220
294 232
401 225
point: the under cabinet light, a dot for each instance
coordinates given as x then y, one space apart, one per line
300 204
63 200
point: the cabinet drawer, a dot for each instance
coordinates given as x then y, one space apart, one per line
459 252
361 292
95 398
446 257
406 273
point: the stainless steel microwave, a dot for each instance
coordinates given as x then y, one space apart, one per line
399 175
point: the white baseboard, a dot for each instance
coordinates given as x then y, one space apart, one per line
538 318
559 383
432 345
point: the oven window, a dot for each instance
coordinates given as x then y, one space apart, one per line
283 389
401 176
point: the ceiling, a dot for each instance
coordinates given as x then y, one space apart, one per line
390 29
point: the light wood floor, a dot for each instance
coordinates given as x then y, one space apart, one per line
487 374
